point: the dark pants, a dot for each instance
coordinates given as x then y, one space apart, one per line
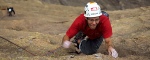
10 13
90 46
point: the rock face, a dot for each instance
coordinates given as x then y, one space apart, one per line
105 4
39 27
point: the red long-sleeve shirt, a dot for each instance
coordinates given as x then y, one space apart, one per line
80 24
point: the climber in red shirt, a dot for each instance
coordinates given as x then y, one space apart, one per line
95 26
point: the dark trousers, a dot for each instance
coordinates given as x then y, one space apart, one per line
9 13
90 46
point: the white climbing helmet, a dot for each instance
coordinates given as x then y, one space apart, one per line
92 9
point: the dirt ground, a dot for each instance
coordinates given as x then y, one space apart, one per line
38 29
